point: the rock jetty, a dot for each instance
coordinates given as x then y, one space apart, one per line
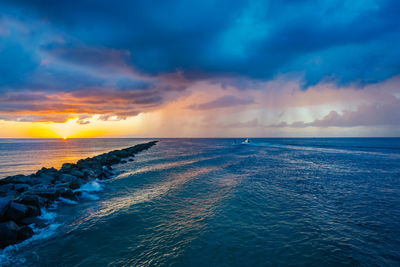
23 196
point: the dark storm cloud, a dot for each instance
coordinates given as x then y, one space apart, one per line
115 46
252 38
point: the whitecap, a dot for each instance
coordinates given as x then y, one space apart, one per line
47 215
93 186
68 201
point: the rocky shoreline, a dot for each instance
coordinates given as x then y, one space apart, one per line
23 196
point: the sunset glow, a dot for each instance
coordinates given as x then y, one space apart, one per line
199 133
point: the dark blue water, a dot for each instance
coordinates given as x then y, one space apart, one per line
215 202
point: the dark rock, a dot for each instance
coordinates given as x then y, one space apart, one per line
32 211
45 171
16 179
46 178
8 233
34 180
112 160
16 211
21 187
4 204
69 194
24 233
49 193
89 175
77 173
124 154
107 174
67 178
130 159
13 194
75 184
67 167
32 220
6 187
31 200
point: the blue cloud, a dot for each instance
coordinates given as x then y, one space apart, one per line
256 39
120 46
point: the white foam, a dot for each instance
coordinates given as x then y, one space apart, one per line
68 201
86 195
47 215
93 186
42 233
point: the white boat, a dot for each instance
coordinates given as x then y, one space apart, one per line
245 142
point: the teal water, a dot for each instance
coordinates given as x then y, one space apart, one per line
215 202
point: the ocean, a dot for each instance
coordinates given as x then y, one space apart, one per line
217 202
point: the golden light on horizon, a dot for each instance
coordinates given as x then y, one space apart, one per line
96 128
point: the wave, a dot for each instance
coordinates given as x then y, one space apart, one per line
256 144
68 201
88 189
9 256
88 196
164 166
324 149
93 186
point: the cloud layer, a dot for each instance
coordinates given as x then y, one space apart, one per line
75 59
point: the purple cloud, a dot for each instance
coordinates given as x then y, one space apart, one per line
223 102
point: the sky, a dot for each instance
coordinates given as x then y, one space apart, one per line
211 68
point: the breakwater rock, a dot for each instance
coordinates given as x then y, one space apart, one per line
23 196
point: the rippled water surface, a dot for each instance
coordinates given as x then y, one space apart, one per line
215 202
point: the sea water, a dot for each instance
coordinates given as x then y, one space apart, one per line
216 202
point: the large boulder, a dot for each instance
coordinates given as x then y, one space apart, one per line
112 159
46 178
89 174
46 170
75 184
69 194
8 233
5 188
24 233
21 187
67 178
32 211
4 204
67 167
124 154
16 179
49 192
77 173
16 211
32 220
33 200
